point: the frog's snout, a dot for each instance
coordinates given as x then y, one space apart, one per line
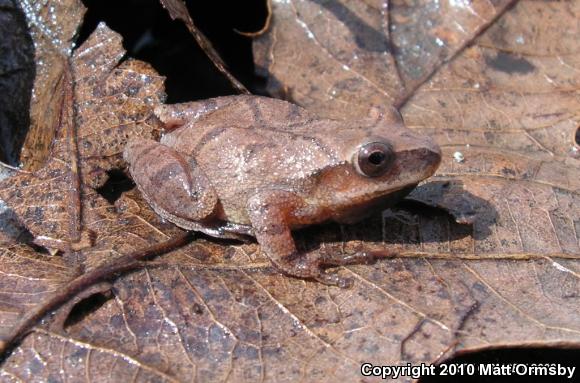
431 157
435 151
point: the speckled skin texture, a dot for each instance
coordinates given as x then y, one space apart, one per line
253 165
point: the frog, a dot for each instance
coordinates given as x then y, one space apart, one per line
252 166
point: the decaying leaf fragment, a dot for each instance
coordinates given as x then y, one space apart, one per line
118 104
215 311
495 91
28 278
53 36
338 57
100 100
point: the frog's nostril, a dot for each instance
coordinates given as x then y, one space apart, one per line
430 158
434 157
437 151
434 151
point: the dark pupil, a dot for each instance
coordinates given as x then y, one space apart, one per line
376 158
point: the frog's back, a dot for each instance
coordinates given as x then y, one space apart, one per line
247 146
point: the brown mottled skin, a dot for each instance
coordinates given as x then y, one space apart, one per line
249 165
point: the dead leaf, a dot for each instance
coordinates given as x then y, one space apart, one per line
28 278
330 55
214 310
110 100
114 102
499 95
53 40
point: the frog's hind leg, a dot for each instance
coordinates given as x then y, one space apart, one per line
174 186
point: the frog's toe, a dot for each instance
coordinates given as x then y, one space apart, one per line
310 268
341 259
297 266
333 279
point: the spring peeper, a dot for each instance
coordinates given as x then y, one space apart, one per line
248 165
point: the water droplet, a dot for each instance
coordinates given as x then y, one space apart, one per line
458 157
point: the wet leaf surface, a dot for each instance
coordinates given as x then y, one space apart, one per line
501 101
111 100
497 93
52 35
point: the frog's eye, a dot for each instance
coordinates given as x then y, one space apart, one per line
374 159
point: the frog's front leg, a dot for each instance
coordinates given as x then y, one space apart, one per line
270 213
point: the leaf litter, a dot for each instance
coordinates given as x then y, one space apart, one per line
213 310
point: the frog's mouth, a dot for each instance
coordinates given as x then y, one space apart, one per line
357 212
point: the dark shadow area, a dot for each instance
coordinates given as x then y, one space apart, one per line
524 360
84 308
150 35
13 228
17 71
365 36
117 183
435 212
451 197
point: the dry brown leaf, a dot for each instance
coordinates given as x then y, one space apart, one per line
114 102
53 37
338 57
178 322
503 104
28 278
110 100
216 311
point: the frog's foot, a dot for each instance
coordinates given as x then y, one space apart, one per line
332 258
341 259
333 279
309 266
